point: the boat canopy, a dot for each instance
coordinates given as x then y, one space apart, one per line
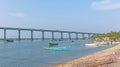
53 44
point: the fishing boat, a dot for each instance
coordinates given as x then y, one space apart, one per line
9 40
54 46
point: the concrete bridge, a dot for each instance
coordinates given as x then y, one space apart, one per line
43 31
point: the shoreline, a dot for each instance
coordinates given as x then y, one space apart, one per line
106 58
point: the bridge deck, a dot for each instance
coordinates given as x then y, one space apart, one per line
43 30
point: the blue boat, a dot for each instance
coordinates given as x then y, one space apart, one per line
59 48
54 46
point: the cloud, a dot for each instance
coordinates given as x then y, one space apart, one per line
17 14
105 5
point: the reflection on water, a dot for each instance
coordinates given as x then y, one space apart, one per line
28 53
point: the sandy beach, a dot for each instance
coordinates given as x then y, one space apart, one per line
106 58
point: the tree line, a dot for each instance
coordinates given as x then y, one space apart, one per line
112 36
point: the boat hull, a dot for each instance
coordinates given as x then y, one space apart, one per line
57 48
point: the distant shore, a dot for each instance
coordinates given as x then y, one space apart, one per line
106 58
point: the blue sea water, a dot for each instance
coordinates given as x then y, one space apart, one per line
27 53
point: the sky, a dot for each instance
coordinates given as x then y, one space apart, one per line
97 16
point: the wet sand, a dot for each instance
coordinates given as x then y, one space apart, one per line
106 58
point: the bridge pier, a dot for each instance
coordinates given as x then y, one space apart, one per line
43 35
83 36
19 34
4 34
69 36
76 36
31 34
61 35
52 35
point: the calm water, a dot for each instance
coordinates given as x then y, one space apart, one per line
31 53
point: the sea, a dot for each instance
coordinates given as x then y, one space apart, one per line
30 53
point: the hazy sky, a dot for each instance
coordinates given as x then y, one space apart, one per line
74 15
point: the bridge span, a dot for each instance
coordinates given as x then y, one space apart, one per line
43 32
